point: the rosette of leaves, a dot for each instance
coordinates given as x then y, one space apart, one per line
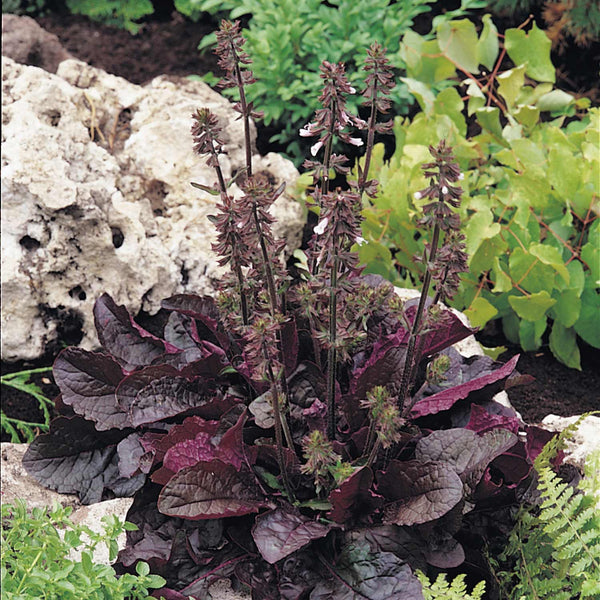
530 159
309 438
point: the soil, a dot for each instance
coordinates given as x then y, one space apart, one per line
167 44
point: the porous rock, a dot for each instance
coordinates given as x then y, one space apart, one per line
27 43
96 197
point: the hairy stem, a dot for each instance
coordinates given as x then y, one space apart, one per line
245 112
332 352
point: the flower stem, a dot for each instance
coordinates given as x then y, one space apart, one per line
332 353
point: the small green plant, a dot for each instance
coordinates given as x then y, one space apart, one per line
36 558
288 40
18 429
120 13
440 589
529 153
554 550
24 7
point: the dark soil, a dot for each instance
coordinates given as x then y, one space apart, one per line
167 44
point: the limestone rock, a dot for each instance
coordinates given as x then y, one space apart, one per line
585 440
96 197
27 43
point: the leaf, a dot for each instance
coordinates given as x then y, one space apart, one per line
88 381
280 532
487 46
485 386
73 458
361 574
532 307
422 93
567 308
480 312
126 341
532 49
588 324
563 343
551 256
458 41
419 491
208 490
556 100
489 119
530 334
510 84
465 451
353 497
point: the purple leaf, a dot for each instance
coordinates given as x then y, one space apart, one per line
88 381
290 344
464 451
361 574
481 421
420 491
354 497
443 551
488 384
208 490
124 339
280 532
133 457
73 458
159 392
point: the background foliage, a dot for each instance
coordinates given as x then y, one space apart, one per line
531 164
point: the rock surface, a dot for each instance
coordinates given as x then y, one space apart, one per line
96 198
27 43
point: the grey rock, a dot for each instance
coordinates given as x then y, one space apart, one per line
96 197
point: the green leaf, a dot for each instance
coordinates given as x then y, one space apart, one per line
567 307
458 41
510 84
590 253
480 227
494 352
530 334
422 93
588 324
532 307
448 102
555 100
480 312
487 46
489 119
488 252
527 115
423 59
563 343
532 49
564 171
551 256
501 280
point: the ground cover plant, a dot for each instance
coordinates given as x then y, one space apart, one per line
37 563
530 212
308 436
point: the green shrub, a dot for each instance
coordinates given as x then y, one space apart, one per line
531 173
554 550
36 562
120 13
18 429
29 8
288 40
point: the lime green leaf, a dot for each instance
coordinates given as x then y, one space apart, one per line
532 307
480 312
532 49
527 115
422 93
554 100
564 171
510 327
530 334
510 84
550 255
500 279
489 250
489 119
458 41
423 59
567 307
480 227
588 324
563 343
487 46
529 275
494 352
590 253
448 102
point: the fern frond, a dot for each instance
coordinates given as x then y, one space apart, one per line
441 589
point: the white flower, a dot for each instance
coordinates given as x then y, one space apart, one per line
444 189
320 228
417 195
315 148
352 90
360 240
355 141
461 176
306 131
